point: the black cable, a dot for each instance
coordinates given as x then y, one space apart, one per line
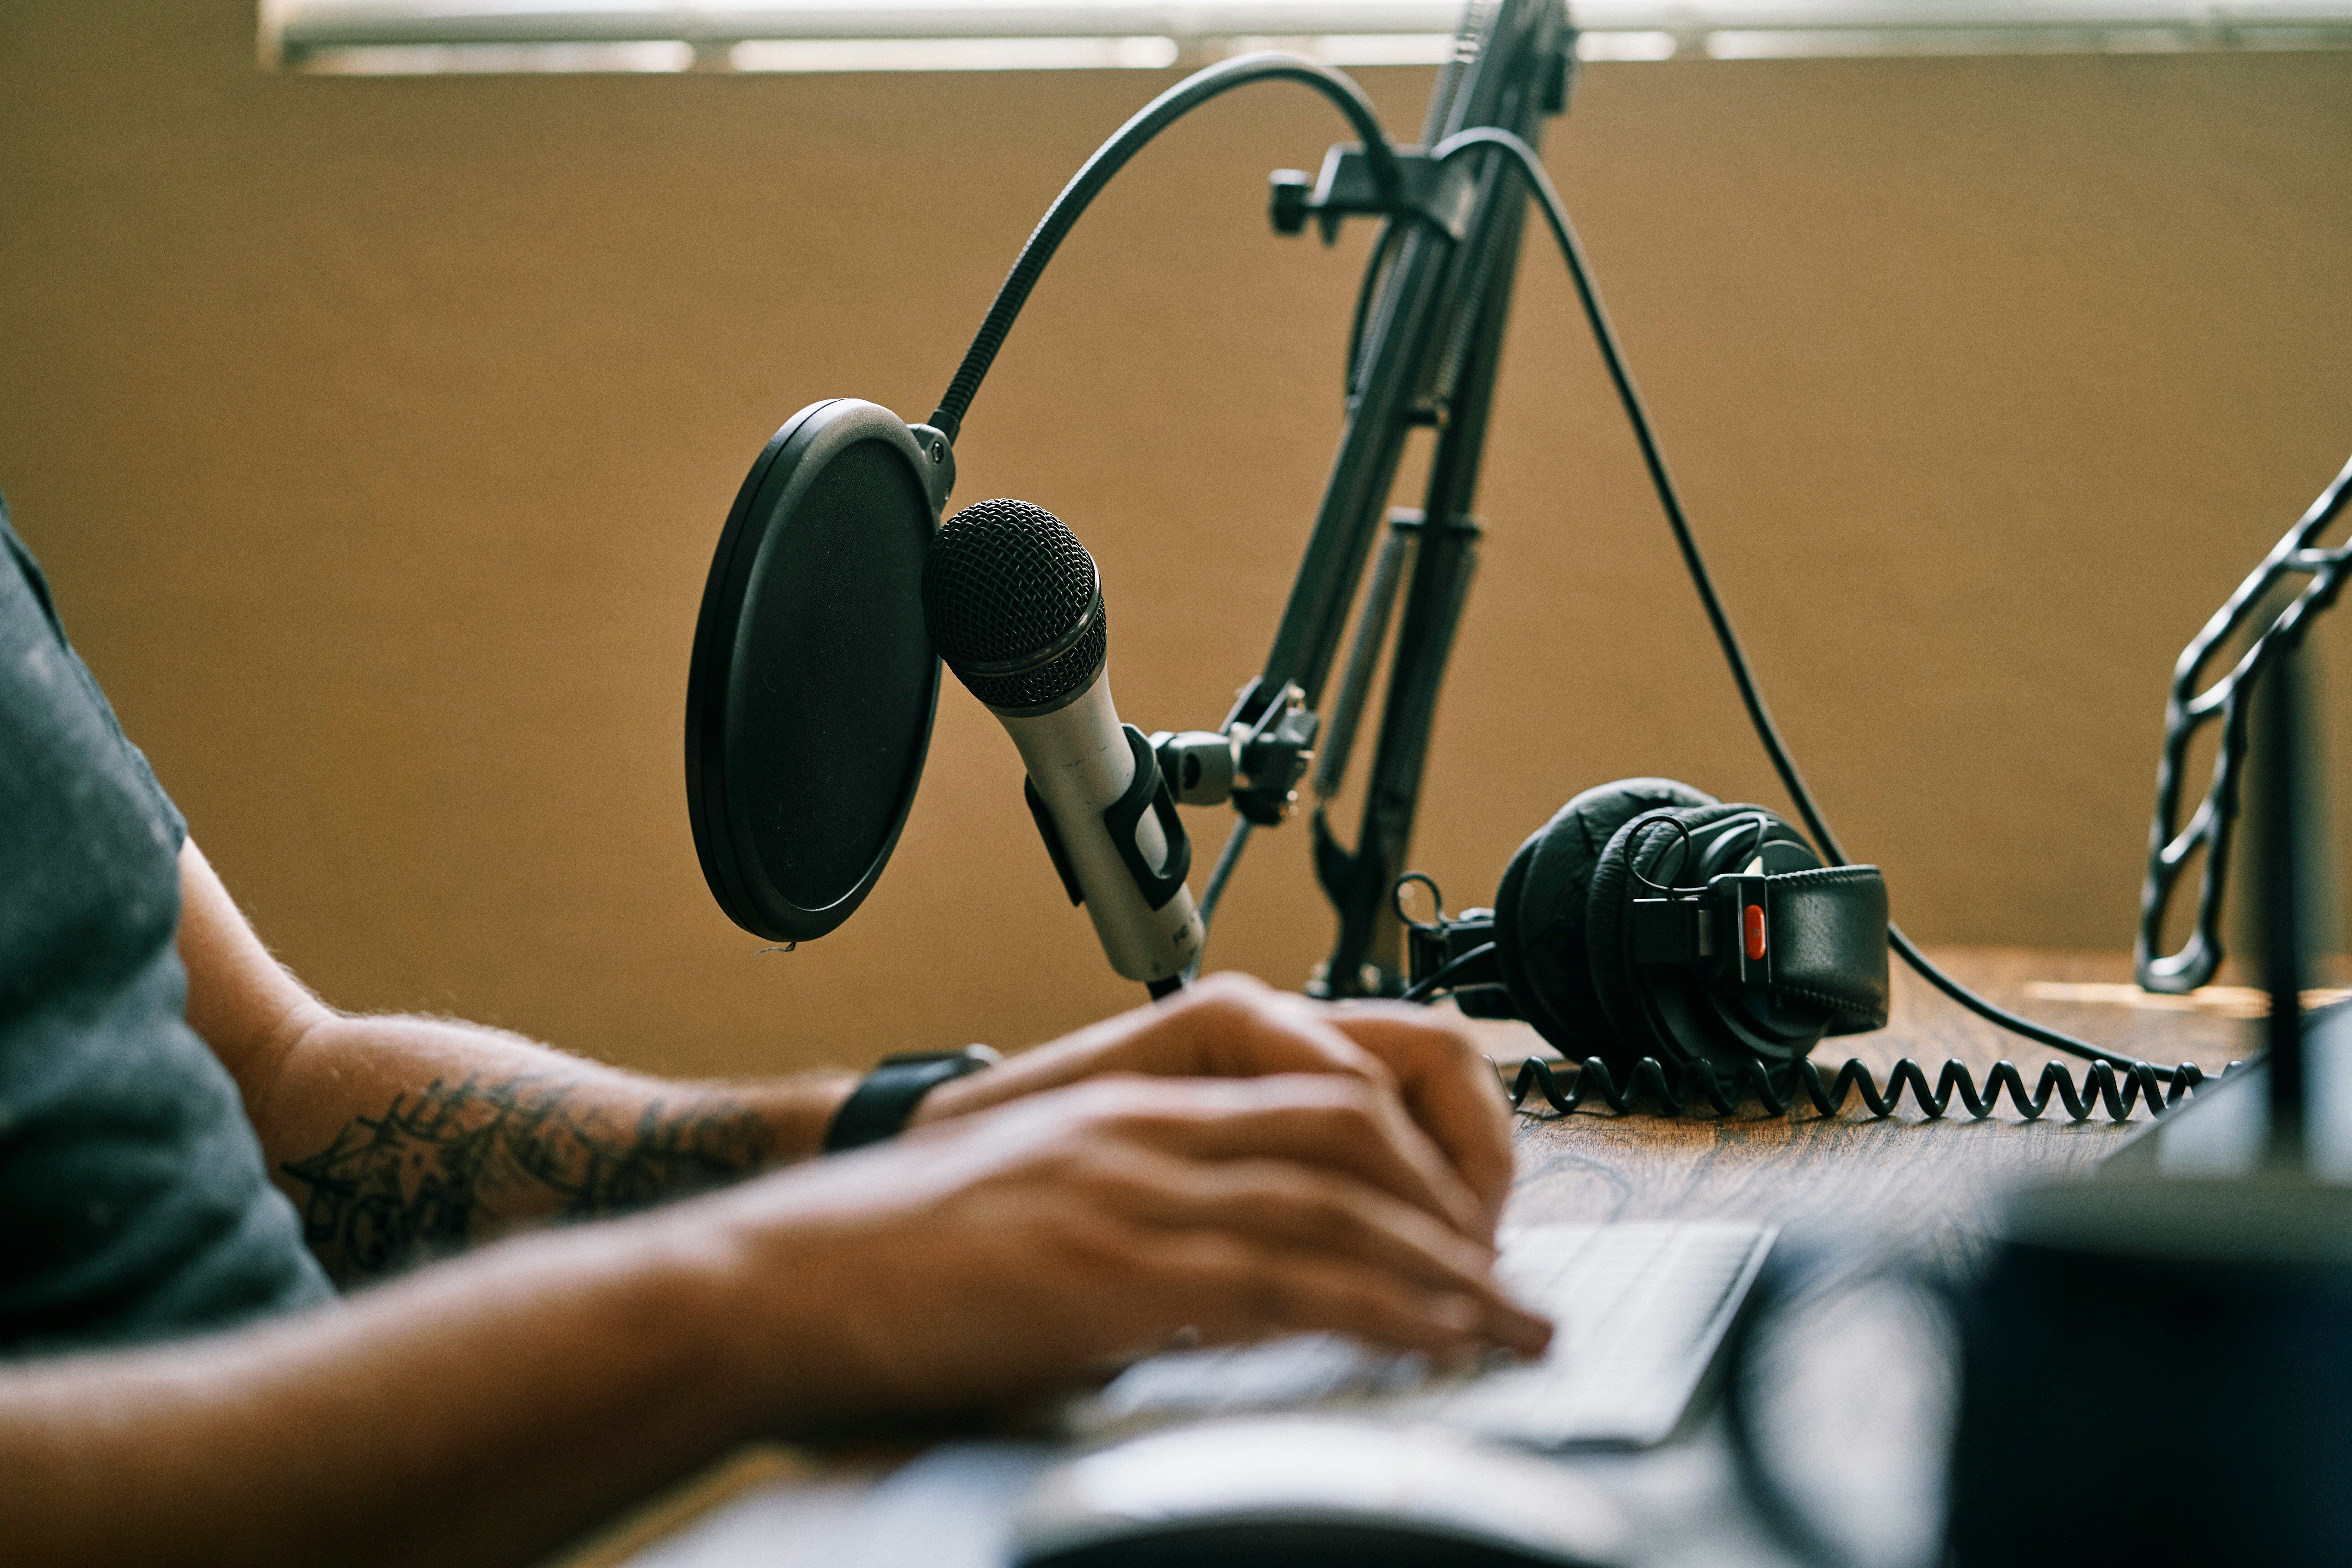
1448 971
1375 276
1112 155
1605 335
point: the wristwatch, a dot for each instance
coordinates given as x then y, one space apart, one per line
878 1107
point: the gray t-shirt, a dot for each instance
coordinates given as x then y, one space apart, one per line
133 1201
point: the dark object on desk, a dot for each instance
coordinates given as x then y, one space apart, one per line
2133 1331
2190 1314
2196 1326
810 696
1287 1492
1689 955
2235 1289
1649 918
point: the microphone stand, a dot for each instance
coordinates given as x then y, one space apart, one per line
2286 845
1429 340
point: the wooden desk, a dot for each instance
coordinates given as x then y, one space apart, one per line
1900 1177
1900 1181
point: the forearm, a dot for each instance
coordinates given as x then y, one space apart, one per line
404 1138
407 1137
476 1412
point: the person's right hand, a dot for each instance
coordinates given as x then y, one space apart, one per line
1001 1254
1233 1026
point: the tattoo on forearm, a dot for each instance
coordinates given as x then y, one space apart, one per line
450 1164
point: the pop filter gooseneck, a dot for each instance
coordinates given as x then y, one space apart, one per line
1112 156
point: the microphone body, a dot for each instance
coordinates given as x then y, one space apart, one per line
1082 765
1015 605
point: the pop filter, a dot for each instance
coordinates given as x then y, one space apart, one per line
809 696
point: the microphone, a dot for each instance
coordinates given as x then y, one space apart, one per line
1015 605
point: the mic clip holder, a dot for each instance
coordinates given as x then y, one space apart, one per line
1147 791
1443 195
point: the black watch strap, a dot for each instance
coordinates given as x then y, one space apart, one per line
878 1107
1828 938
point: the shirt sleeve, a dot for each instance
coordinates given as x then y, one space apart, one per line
175 823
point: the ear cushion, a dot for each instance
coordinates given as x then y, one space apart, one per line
1540 916
1614 986
1532 1005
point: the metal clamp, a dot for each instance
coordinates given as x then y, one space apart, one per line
938 462
1277 746
1199 765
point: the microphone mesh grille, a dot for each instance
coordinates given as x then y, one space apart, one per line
1006 579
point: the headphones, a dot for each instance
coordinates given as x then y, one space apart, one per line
1649 918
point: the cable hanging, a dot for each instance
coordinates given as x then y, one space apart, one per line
1750 695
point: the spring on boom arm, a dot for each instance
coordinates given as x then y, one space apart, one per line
1698 1086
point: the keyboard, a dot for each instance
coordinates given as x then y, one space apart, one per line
1640 1311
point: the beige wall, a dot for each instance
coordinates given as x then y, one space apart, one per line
376 433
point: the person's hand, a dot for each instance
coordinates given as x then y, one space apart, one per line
1230 1026
1000 1253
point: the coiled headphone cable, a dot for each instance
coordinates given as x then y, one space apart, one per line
1696 1085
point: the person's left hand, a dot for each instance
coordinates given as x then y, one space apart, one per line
1231 1026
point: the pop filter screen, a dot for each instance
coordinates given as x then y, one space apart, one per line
810 698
